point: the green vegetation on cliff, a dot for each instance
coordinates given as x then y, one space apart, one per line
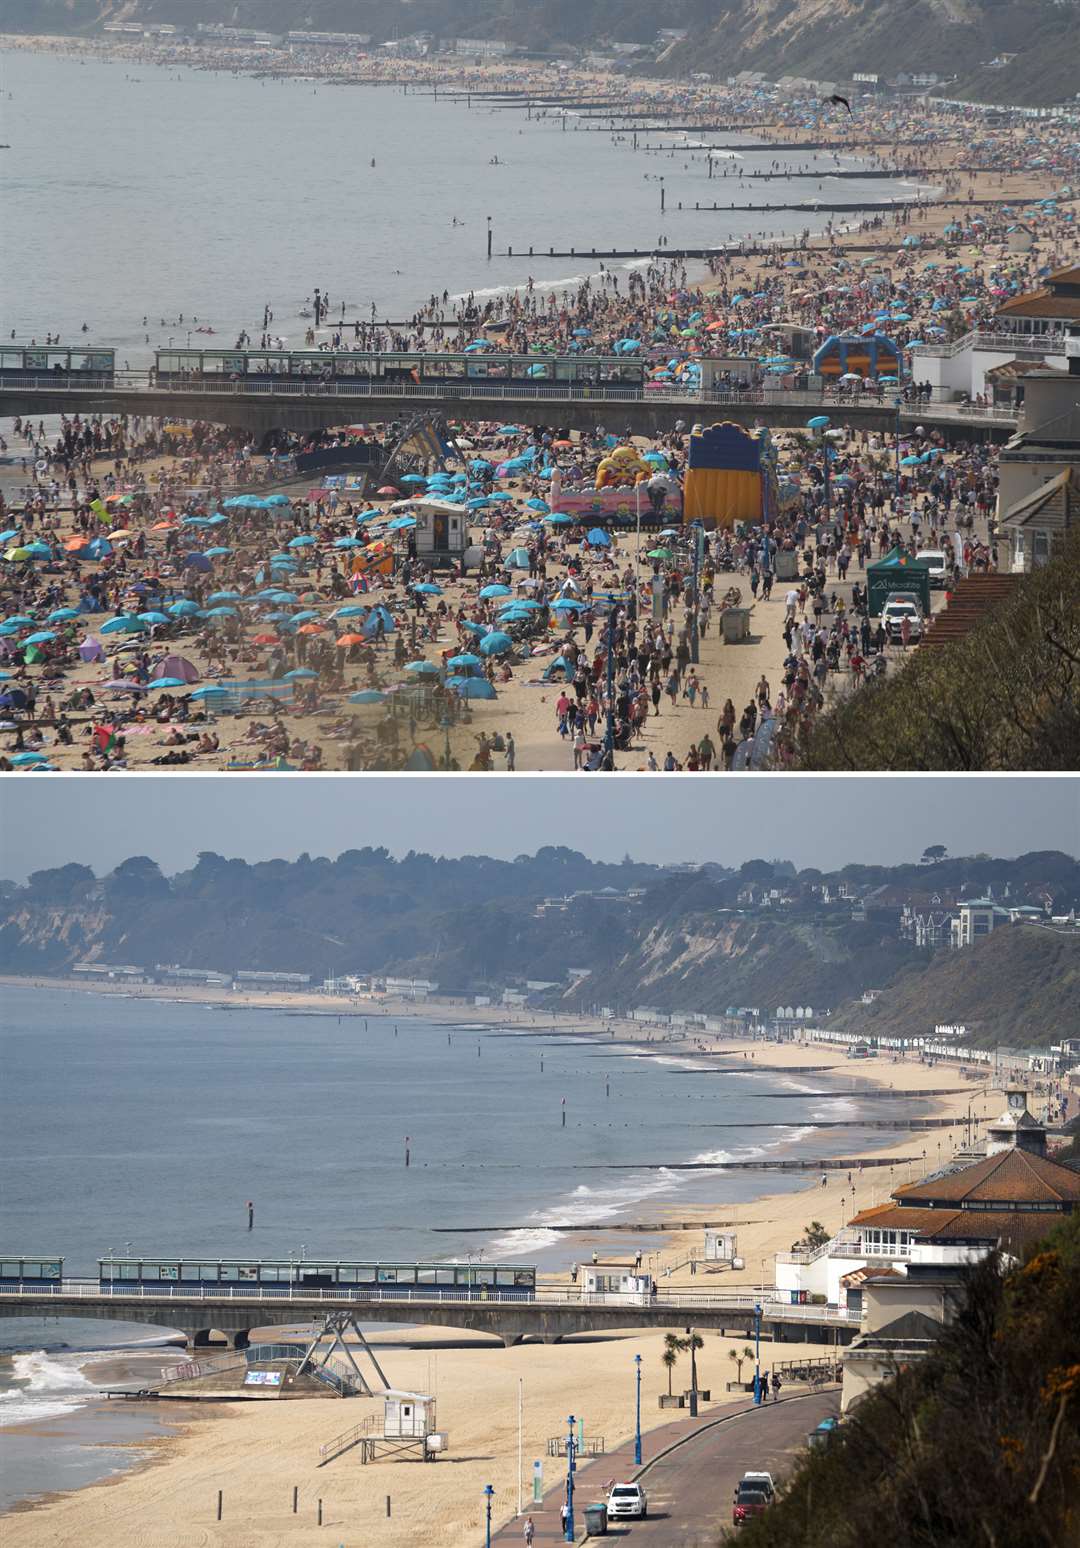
1019 986
703 940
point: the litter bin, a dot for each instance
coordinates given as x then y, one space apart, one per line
787 564
596 1520
735 622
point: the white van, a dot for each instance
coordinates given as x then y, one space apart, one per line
936 563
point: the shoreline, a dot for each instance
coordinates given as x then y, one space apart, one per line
767 1221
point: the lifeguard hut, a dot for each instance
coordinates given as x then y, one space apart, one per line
408 1428
720 1247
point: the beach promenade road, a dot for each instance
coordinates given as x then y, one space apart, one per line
689 1488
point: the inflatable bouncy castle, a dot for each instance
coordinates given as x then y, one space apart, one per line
864 355
730 476
623 465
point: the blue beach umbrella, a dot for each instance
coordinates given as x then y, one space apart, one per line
367 696
422 668
497 590
496 643
300 674
466 659
167 682
122 625
184 608
211 691
42 637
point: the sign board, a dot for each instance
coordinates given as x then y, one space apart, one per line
538 1482
262 1379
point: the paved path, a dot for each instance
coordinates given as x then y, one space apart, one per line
690 1488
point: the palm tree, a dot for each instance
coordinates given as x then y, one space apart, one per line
692 1342
670 1356
740 1359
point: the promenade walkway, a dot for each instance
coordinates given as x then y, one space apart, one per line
689 1472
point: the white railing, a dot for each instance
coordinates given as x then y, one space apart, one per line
978 338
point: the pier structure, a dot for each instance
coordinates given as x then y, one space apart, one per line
307 405
549 1315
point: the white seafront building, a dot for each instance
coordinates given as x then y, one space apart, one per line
946 1220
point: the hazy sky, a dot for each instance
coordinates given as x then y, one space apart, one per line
47 820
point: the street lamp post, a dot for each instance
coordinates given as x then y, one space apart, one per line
698 534
488 1495
609 735
571 1455
637 1424
897 402
757 1353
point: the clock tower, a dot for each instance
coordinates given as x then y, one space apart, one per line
1016 1129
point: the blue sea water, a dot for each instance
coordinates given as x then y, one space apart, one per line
135 190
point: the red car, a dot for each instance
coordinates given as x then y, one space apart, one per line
753 1496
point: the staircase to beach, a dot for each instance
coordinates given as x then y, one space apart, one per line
972 600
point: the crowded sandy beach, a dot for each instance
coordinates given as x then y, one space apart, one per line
177 595
255 1453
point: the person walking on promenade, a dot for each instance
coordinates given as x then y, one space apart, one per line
529 1531
775 1386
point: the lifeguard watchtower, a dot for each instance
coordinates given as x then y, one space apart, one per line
408 1429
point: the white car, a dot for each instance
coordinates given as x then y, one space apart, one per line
628 1499
893 614
934 559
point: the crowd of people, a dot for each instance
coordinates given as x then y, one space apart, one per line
131 541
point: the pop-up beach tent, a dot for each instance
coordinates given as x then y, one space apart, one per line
898 571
